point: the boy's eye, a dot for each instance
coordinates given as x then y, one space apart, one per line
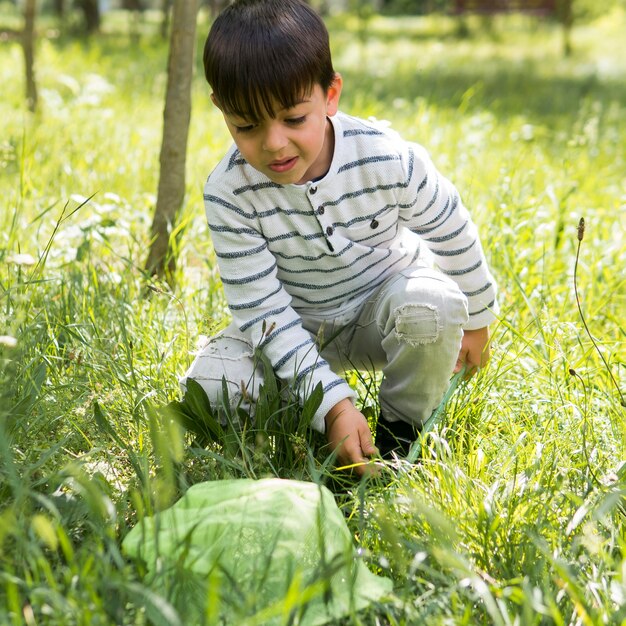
294 121
244 129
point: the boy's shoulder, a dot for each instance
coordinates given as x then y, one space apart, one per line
373 139
372 133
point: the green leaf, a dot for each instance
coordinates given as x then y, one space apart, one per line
195 414
269 376
311 404
196 400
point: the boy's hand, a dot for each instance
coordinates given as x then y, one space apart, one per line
348 432
474 350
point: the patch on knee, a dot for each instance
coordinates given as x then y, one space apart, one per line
417 324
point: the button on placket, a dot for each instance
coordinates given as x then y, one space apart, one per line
319 212
329 230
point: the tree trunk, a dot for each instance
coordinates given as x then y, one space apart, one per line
136 9
568 22
59 8
565 11
91 13
172 159
28 42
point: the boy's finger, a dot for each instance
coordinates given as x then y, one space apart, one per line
367 446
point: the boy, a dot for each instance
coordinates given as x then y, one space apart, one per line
310 215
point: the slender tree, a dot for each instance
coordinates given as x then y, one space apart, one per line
28 43
91 14
570 13
565 12
59 8
176 115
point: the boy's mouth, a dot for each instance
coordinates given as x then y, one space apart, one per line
284 165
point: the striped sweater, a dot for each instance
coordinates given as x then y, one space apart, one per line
324 246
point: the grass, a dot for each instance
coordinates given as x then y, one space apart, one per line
515 514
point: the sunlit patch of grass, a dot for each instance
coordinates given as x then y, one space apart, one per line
515 512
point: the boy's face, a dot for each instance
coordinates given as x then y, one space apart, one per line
297 144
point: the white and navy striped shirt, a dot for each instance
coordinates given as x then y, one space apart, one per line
322 246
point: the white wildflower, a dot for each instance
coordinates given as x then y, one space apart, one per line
21 259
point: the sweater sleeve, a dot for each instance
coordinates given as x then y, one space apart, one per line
260 305
432 208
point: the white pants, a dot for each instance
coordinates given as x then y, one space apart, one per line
410 329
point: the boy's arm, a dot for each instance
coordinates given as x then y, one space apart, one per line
432 208
348 432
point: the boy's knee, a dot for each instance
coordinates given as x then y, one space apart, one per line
417 324
225 357
430 306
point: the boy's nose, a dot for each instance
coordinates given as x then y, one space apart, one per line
274 140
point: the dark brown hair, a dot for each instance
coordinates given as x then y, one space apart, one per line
262 52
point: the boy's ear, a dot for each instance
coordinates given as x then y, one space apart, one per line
215 102
333 94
